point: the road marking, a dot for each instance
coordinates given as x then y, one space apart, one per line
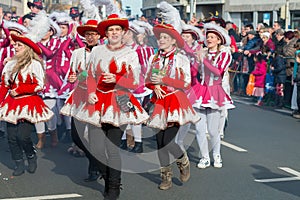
234 147
60 196
243 102
283 111
286 169
291 171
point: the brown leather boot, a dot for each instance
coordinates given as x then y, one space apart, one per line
41 141
54 139
166 177
184 166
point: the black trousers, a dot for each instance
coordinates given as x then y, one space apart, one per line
77 132
19 139
166 144
104 145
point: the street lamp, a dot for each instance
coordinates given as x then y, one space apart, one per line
191 9
287 14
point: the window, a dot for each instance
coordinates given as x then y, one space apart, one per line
247 18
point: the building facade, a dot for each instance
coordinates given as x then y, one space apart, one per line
239 11
20 6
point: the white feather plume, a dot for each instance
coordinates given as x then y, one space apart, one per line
56 27
38 27
148 27
110 7
60 17
91 11
170 15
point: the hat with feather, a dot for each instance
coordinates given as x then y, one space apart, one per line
218 31
170 30
35 3
14 26
134 27
194 31
54 28
37 29
113 19
91 25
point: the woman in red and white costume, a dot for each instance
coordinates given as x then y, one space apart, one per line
113 70
61 65
21 106
7 51
208 97
49 44
193 38
168 77
130 40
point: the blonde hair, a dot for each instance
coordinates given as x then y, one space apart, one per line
25 59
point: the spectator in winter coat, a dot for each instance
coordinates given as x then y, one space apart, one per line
289 55
278 66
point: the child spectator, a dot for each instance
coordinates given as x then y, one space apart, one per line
259 72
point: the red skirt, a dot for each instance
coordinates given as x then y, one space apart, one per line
174 108
107 110
77 99
27 107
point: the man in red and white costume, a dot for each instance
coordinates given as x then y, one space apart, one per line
79 96
113 70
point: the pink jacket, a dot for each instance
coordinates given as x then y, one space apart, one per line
260 72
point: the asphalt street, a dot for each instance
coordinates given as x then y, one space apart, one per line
261 161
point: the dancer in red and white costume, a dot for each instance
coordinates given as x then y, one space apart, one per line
130 40
21 106
49 44
168 77
113 69
79 96
193 38
208 96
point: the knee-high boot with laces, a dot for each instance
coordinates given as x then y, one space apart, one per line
166 178
184 167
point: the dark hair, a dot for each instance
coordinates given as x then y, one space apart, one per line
7 12
278 22
27 16
249 26
259 57
289 35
